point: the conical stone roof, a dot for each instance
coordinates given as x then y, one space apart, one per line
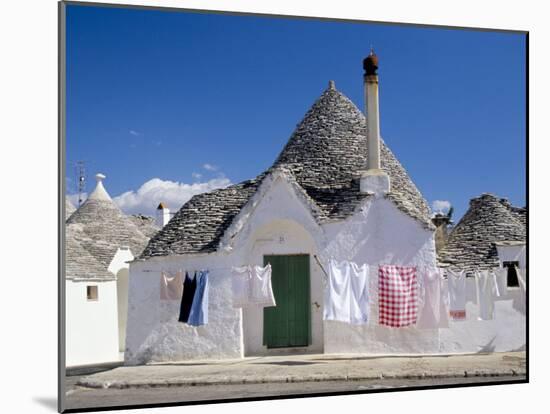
106 228
79 263
489 220
325 154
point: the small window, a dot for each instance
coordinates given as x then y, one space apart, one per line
91 292
512 278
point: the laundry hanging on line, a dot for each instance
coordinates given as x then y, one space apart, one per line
501 276
486 289
434 313
397 296
456 282
198 314
347 293
189 288
251 286
171 287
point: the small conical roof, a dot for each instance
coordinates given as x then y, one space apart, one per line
489 220
79 263
106 227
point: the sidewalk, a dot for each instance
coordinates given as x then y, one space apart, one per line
306 368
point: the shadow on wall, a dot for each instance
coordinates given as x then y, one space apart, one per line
487 349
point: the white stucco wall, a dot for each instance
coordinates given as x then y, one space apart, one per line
379 234
91 326
153 331
512 254
120 268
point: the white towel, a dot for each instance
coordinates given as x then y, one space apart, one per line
261 292
337 292
486 292
240 286
171 287
501 276
430 314
457 294
359 294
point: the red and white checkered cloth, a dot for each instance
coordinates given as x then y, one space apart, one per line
397 295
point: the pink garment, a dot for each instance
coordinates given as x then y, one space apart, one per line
171 287
397 296
430 315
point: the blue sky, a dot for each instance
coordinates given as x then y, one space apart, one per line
168 104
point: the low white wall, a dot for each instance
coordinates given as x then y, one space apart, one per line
91 326
512 254
153 331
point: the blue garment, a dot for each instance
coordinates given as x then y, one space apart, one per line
199 309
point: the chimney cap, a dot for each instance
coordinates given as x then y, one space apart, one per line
100 177
161 206
370 63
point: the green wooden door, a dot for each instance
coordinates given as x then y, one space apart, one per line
289 323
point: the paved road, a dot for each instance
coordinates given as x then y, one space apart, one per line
78 397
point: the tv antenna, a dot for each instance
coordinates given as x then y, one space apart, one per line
81 180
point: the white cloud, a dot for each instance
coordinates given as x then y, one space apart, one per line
441 206
196 175
173 194
73 198
134 133
210 167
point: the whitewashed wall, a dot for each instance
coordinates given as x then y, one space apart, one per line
91 326
512 254
119 266
379 234
153 331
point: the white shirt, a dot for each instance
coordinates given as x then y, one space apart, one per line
456 282
430 315
251 286
240 286
486 293
337 292
261 292
359 294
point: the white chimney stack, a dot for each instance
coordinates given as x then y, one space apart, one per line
374 180
163 215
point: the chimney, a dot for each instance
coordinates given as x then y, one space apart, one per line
441 223
374 180
163 215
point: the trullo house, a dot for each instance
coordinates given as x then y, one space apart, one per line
335 191
100 240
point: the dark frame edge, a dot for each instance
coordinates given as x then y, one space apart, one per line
61 88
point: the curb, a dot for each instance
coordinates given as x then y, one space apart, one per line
91 383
